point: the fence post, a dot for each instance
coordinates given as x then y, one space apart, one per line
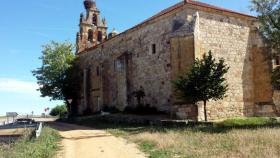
39 130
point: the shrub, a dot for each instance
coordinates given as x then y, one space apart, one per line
59 110
110 109
275 78
248 122
43 147
142 110
87 112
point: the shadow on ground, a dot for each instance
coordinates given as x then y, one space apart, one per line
121 128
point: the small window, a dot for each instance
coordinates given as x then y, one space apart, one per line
94 19
90 35
97 71
118 65
99 36
154 48
277 61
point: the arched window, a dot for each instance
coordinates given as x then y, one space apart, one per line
90 35
94 19
99 36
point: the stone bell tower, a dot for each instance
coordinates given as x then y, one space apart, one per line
93 29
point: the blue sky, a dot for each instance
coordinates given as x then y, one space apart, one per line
25 25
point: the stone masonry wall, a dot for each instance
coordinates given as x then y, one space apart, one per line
276 99
128 62
231 38
151 71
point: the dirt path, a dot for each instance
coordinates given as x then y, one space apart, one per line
82 142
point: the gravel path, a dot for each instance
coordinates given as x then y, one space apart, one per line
83 142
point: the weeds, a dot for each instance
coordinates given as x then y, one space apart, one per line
236 137
43 147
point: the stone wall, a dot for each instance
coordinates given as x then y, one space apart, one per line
145 68
128 62
276 100
185 111
233 39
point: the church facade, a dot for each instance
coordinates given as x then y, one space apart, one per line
150 55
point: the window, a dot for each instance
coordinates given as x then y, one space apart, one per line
118 65
90 35
94 19
277 61
99 36
154 48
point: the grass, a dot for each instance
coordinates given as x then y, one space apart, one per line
18 131
43 147
236 137
249 122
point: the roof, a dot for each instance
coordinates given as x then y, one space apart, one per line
195 3
201 4
174 7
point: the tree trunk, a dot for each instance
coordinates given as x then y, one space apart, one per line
69 108
205 111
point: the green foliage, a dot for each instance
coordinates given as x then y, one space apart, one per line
204 81
59 110
142 110
43 147
54 76
111 109
269 15
248 122
151 148
275 79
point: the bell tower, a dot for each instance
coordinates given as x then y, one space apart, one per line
93 29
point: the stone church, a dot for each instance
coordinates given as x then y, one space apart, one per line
148 56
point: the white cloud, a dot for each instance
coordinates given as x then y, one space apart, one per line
18 86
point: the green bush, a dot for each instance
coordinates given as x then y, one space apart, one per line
250 121
43 147
59 110
111 109
142 110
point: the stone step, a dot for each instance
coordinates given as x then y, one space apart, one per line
266 110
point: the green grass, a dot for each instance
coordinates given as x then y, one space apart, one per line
249 122
43 147
236 137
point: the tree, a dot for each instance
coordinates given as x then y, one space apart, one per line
55 75
59 110
203 82
269 17
275 78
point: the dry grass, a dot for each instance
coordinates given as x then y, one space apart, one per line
18 131
232 138
257 143
27 147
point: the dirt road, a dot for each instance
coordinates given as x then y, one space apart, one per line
82 142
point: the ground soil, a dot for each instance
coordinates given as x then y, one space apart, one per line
83 142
